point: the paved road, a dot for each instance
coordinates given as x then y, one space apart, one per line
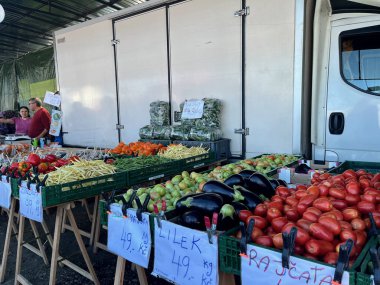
37 272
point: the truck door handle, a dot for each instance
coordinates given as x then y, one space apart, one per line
336 123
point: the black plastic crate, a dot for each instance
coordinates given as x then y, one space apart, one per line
221 148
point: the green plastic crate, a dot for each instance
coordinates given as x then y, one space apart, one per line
372 167
275 170
14 187
151 173
103 212
72 191
198 161
361 266
363 279
229 254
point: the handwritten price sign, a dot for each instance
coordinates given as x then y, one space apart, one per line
5 193
264 266
31 202
128 237
193 109
184 256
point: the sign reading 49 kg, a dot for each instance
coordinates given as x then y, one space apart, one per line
129 237
185 256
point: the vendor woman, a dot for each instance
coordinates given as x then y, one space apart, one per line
22 123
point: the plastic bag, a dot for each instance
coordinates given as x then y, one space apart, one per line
211 114
205 134
159 113
180 132
146 132
161 132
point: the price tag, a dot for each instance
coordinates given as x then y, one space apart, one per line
5 193
184 256
193 109
263 265
31 202
128 237
284 174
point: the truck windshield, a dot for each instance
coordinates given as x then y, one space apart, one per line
360 61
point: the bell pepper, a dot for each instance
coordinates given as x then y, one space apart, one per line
24 166
61 162
13 166
51 158
34 159
43 167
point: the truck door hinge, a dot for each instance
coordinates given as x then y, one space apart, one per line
242 131
119 127
115 42
242 12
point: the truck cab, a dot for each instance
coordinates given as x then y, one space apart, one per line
345 105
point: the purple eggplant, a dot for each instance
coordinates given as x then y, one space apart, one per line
205 203
235 179
246 173
260 185
274 183
239 206
228 194
282 182
193 220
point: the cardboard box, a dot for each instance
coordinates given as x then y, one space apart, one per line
289 175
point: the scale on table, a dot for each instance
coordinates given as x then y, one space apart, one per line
17 138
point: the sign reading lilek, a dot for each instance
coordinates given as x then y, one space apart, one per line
193 109
128 237
31 202
264 266
184 256
5 193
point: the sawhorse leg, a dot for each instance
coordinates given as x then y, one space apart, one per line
18 277
7 240
120 269
226 279
90 234
55 251
39 242
55 247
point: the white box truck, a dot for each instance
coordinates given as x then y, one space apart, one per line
295 76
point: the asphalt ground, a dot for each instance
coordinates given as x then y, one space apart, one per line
34 269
